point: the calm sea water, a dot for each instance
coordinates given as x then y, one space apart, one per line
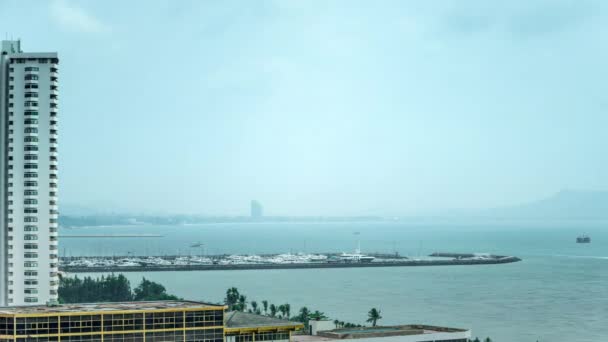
558 293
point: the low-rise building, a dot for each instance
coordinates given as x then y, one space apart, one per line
399 333
128 322
248 327
157 321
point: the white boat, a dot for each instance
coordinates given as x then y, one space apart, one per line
355 257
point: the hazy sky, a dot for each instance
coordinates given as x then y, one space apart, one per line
323 107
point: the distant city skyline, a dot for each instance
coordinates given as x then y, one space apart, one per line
323 108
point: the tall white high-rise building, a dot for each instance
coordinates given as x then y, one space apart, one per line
28 176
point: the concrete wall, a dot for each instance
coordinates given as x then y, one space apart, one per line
316 326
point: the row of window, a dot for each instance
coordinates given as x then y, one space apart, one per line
32 157
33 183
33 326
31 219
33 86
34 139
35 192
32 200
32 246
31 273
35 211
23 60
31 112
34 166
31 255
32 95
33 68
29 121
33 237
31 104
33 175
265 336
30 228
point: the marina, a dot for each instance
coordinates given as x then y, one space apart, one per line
270 261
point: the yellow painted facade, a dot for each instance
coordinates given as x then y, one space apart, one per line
204 323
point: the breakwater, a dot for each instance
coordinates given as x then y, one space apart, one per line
216 266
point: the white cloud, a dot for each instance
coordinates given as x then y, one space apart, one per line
74 18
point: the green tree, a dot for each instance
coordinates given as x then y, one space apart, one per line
242 304
265 306
317 316
232 298
282 310
373 316
273 310
287 310
254 305
303 315
149 290
487 339
336 323
109 288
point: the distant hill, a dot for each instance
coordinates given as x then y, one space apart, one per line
566 204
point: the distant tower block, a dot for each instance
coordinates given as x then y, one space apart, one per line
29 105
257 211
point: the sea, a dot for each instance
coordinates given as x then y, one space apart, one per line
557 293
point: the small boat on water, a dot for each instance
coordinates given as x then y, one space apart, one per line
583 239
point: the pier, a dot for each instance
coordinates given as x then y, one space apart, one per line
269 262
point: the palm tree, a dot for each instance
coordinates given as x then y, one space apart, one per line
476 339
373 316
282 310
242 306
341 324
336 322
317 316
288 310
265 305
487 339
232 298
273 310
254 306
303 315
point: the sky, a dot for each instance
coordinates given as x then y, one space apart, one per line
323 107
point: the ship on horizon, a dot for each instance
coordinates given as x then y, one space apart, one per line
583 239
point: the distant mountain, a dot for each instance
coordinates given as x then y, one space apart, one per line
566 204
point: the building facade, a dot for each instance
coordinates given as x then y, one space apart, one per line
159 321
116 322
249 327
28 179
397 333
